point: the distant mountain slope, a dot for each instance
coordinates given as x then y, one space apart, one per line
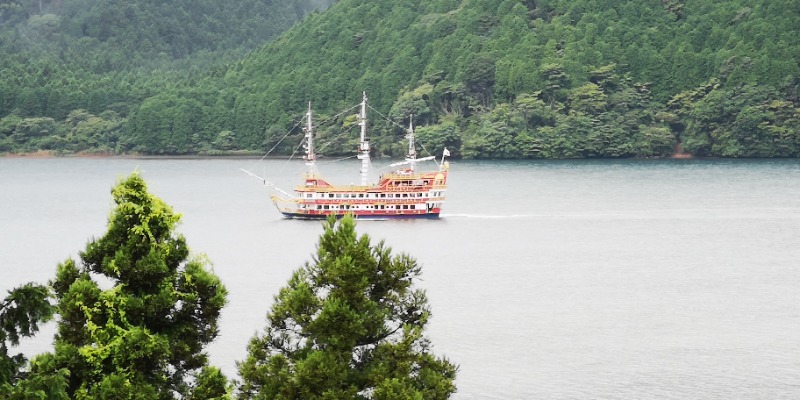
486 78
598 73
62 55
143 31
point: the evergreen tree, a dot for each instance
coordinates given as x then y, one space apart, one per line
143 336
349 325
20 314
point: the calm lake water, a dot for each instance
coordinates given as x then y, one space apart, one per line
638 279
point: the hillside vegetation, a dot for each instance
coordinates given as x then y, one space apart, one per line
72 70
500 79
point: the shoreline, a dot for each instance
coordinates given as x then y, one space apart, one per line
50 155
45 154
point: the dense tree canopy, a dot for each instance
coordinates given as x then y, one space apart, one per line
21 312
348 325
137 311
492 79
105 58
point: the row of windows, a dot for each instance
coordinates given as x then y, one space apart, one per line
416 183
370 195
377 207
368 207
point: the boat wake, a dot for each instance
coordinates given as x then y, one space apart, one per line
677 214
484 216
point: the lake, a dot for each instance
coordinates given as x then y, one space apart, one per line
645 279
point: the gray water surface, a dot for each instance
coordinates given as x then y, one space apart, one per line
548 280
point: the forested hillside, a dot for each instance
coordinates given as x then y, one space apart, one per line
493 79
72 70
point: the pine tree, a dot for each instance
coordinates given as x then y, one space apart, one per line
143 337
348 325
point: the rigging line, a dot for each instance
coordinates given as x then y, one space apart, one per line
423 148
337 160
328 143
294 152
385 117
401 126
279 141
298 124
338 115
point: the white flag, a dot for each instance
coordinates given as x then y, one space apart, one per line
445 153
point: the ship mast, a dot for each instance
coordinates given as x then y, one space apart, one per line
363 147
411 157
309 146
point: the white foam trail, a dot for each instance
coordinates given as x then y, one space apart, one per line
687 214
491 216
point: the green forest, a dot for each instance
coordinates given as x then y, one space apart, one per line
485 78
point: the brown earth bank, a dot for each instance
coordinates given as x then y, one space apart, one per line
234 155
52 154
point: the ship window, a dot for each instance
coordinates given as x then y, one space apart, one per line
330 195
319 207
338 195
361 195
327 207
405 206
405 194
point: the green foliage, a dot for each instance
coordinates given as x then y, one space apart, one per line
143 337
348 325
747 121
604 68
602 71
61 57
45 381
20 314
